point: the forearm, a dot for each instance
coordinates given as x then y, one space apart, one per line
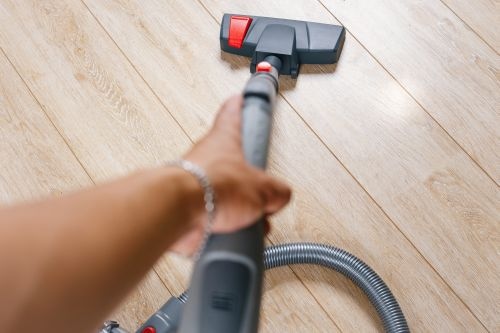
66 262
81 253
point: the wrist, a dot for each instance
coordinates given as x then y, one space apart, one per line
189 194
203 181
176 194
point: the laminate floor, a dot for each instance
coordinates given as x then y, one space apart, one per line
393 153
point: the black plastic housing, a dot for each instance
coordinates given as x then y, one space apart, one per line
294 42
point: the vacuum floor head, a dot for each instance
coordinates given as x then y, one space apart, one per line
294 42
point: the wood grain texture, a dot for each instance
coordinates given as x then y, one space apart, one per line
110 121
437 197
329 206
108 115
35 162
451 72
483 16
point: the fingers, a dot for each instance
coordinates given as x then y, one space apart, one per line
275 194
230 110
228 119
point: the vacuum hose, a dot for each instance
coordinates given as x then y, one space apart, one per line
348 265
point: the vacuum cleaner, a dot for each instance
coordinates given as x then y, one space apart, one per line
226 285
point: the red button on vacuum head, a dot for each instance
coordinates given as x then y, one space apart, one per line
263 66
238 27
149 329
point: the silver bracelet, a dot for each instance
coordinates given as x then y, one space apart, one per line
208 197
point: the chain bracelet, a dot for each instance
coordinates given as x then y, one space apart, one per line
208 198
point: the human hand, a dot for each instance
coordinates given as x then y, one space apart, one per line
243 193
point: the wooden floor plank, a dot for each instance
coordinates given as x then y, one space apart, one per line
449 70
34 159
428 186
107 114
483 16
35 162
163 39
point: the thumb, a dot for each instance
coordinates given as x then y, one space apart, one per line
228 120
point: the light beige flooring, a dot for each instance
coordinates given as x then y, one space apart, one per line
393 154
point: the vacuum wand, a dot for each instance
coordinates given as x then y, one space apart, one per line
226 286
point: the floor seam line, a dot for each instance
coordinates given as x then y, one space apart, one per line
308 290
63 138
372 199
412 97
138 73
470 27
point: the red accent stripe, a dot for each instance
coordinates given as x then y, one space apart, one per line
238 28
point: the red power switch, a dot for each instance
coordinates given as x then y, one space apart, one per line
149 329
238 28
263 66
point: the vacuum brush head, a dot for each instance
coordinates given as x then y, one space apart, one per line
293 42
